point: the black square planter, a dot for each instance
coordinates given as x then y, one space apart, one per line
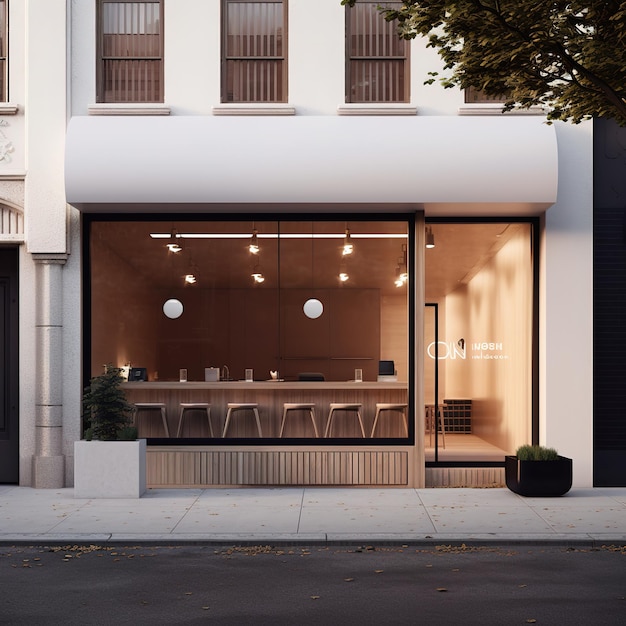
538 478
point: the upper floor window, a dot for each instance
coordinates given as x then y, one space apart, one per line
130 51
476 96
376 57
4 48
254 57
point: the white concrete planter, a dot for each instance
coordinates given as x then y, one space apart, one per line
109 469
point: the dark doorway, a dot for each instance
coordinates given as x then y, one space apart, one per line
9 343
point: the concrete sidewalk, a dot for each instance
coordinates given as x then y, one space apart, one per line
313 516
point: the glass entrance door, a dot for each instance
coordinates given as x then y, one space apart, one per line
478 330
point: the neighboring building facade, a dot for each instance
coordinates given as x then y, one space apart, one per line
287 117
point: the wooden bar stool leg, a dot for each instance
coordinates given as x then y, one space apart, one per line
208 416
227 422
358 414
164 417
258 421
375 422
181 415
282 423
312 414
329 422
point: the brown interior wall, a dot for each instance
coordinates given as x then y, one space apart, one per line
122 314
243 328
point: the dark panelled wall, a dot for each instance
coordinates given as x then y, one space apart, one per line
609 293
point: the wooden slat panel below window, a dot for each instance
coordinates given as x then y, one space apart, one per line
198 468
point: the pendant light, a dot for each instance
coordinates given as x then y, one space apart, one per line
312 308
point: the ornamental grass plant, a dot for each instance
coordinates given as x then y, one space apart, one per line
536 453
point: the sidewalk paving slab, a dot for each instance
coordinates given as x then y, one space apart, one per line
313 515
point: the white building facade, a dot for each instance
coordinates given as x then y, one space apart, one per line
191 142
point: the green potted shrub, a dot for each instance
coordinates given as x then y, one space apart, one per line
538 471
110 462
106 413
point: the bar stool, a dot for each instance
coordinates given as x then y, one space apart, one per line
391 406
242 406
434 419
298 406
152 406
194 406
343 406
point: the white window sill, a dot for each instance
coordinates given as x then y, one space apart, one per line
254 108
376 109
6 108
496 109
128 108
12 174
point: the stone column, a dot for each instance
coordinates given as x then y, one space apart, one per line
48 461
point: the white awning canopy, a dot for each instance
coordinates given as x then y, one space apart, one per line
445 165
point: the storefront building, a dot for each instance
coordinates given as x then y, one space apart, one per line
293 155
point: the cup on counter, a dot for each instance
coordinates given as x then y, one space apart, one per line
249 375
274 374
211 374
358 375
182 375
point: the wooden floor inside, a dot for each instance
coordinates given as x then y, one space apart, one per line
463 447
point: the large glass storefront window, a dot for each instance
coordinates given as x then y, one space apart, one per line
478 338
313 312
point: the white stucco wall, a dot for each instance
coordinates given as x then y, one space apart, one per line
566 319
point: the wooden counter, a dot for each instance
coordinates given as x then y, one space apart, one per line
270 396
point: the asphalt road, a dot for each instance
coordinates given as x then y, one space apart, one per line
315 585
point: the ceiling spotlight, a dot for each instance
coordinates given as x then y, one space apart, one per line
348 247
191 277
257 275
430 238
172 245
343 277
402 275
254 244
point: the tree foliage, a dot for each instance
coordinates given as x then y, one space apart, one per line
567 56
106 413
